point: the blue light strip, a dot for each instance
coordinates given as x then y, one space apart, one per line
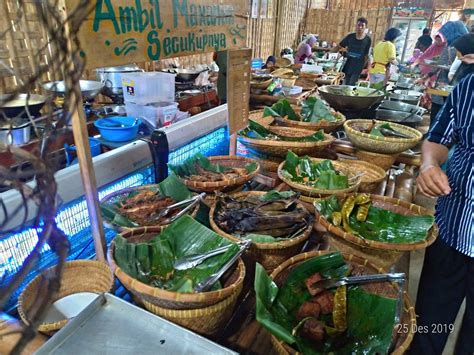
73 218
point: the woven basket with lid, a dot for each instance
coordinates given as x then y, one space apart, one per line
270 255
402 341
169 299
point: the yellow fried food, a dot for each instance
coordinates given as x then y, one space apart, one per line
361 199
339 314
362 212
336 218
346 211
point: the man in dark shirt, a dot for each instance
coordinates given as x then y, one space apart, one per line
356 46
424 41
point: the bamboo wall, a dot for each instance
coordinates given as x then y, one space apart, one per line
21 40
334 25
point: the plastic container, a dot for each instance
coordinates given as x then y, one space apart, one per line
148 88
96 149
111 129
159 114
257 63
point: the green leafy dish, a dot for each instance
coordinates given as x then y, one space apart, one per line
358 216
151 261
257 131
201 169
346 320
313 110
318 174
140 206
262 218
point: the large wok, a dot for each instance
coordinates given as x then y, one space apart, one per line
17 105
402 106
89 88
334 96
399 117
185 75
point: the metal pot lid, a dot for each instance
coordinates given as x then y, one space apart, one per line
119 69
21 100
408 92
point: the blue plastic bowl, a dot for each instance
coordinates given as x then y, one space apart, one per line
110 128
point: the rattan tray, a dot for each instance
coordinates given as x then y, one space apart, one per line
314 192
372 174
391 204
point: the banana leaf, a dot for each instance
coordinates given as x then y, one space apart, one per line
260 238
257 131
282 108
171 187
188 167
376 130
315 110
276 195
321 175
152 262
370 317
381 225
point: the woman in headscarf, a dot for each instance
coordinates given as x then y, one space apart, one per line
305 50
385 54
465 47
433 51
270 63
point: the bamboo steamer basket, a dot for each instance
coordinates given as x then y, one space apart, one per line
383 145
373 175
393 205
228 161
402 341
169 299
280 148
270 255
316 193
384 161
282 72
206 321
282 62
77 276
117 195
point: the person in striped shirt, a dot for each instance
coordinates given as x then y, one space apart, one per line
447 277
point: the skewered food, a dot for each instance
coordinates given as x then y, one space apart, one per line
143 207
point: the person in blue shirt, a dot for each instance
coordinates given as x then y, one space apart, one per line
447 277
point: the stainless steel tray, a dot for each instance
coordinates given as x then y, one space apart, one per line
110 325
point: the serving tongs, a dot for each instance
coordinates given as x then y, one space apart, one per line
393 133
190 204
193 260
399 278
207 283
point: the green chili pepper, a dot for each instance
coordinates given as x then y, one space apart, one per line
346 211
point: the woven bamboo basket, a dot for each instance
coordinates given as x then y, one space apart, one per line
169 299
314 192
206 321
257 116
119 195
282 72
390 204
280 148
373 175
384 161
402 341
384 145
314 126
228 161
256 84
77 276
282 62
270 255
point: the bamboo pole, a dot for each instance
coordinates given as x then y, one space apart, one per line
84 157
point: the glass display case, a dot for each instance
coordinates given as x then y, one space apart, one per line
411 28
